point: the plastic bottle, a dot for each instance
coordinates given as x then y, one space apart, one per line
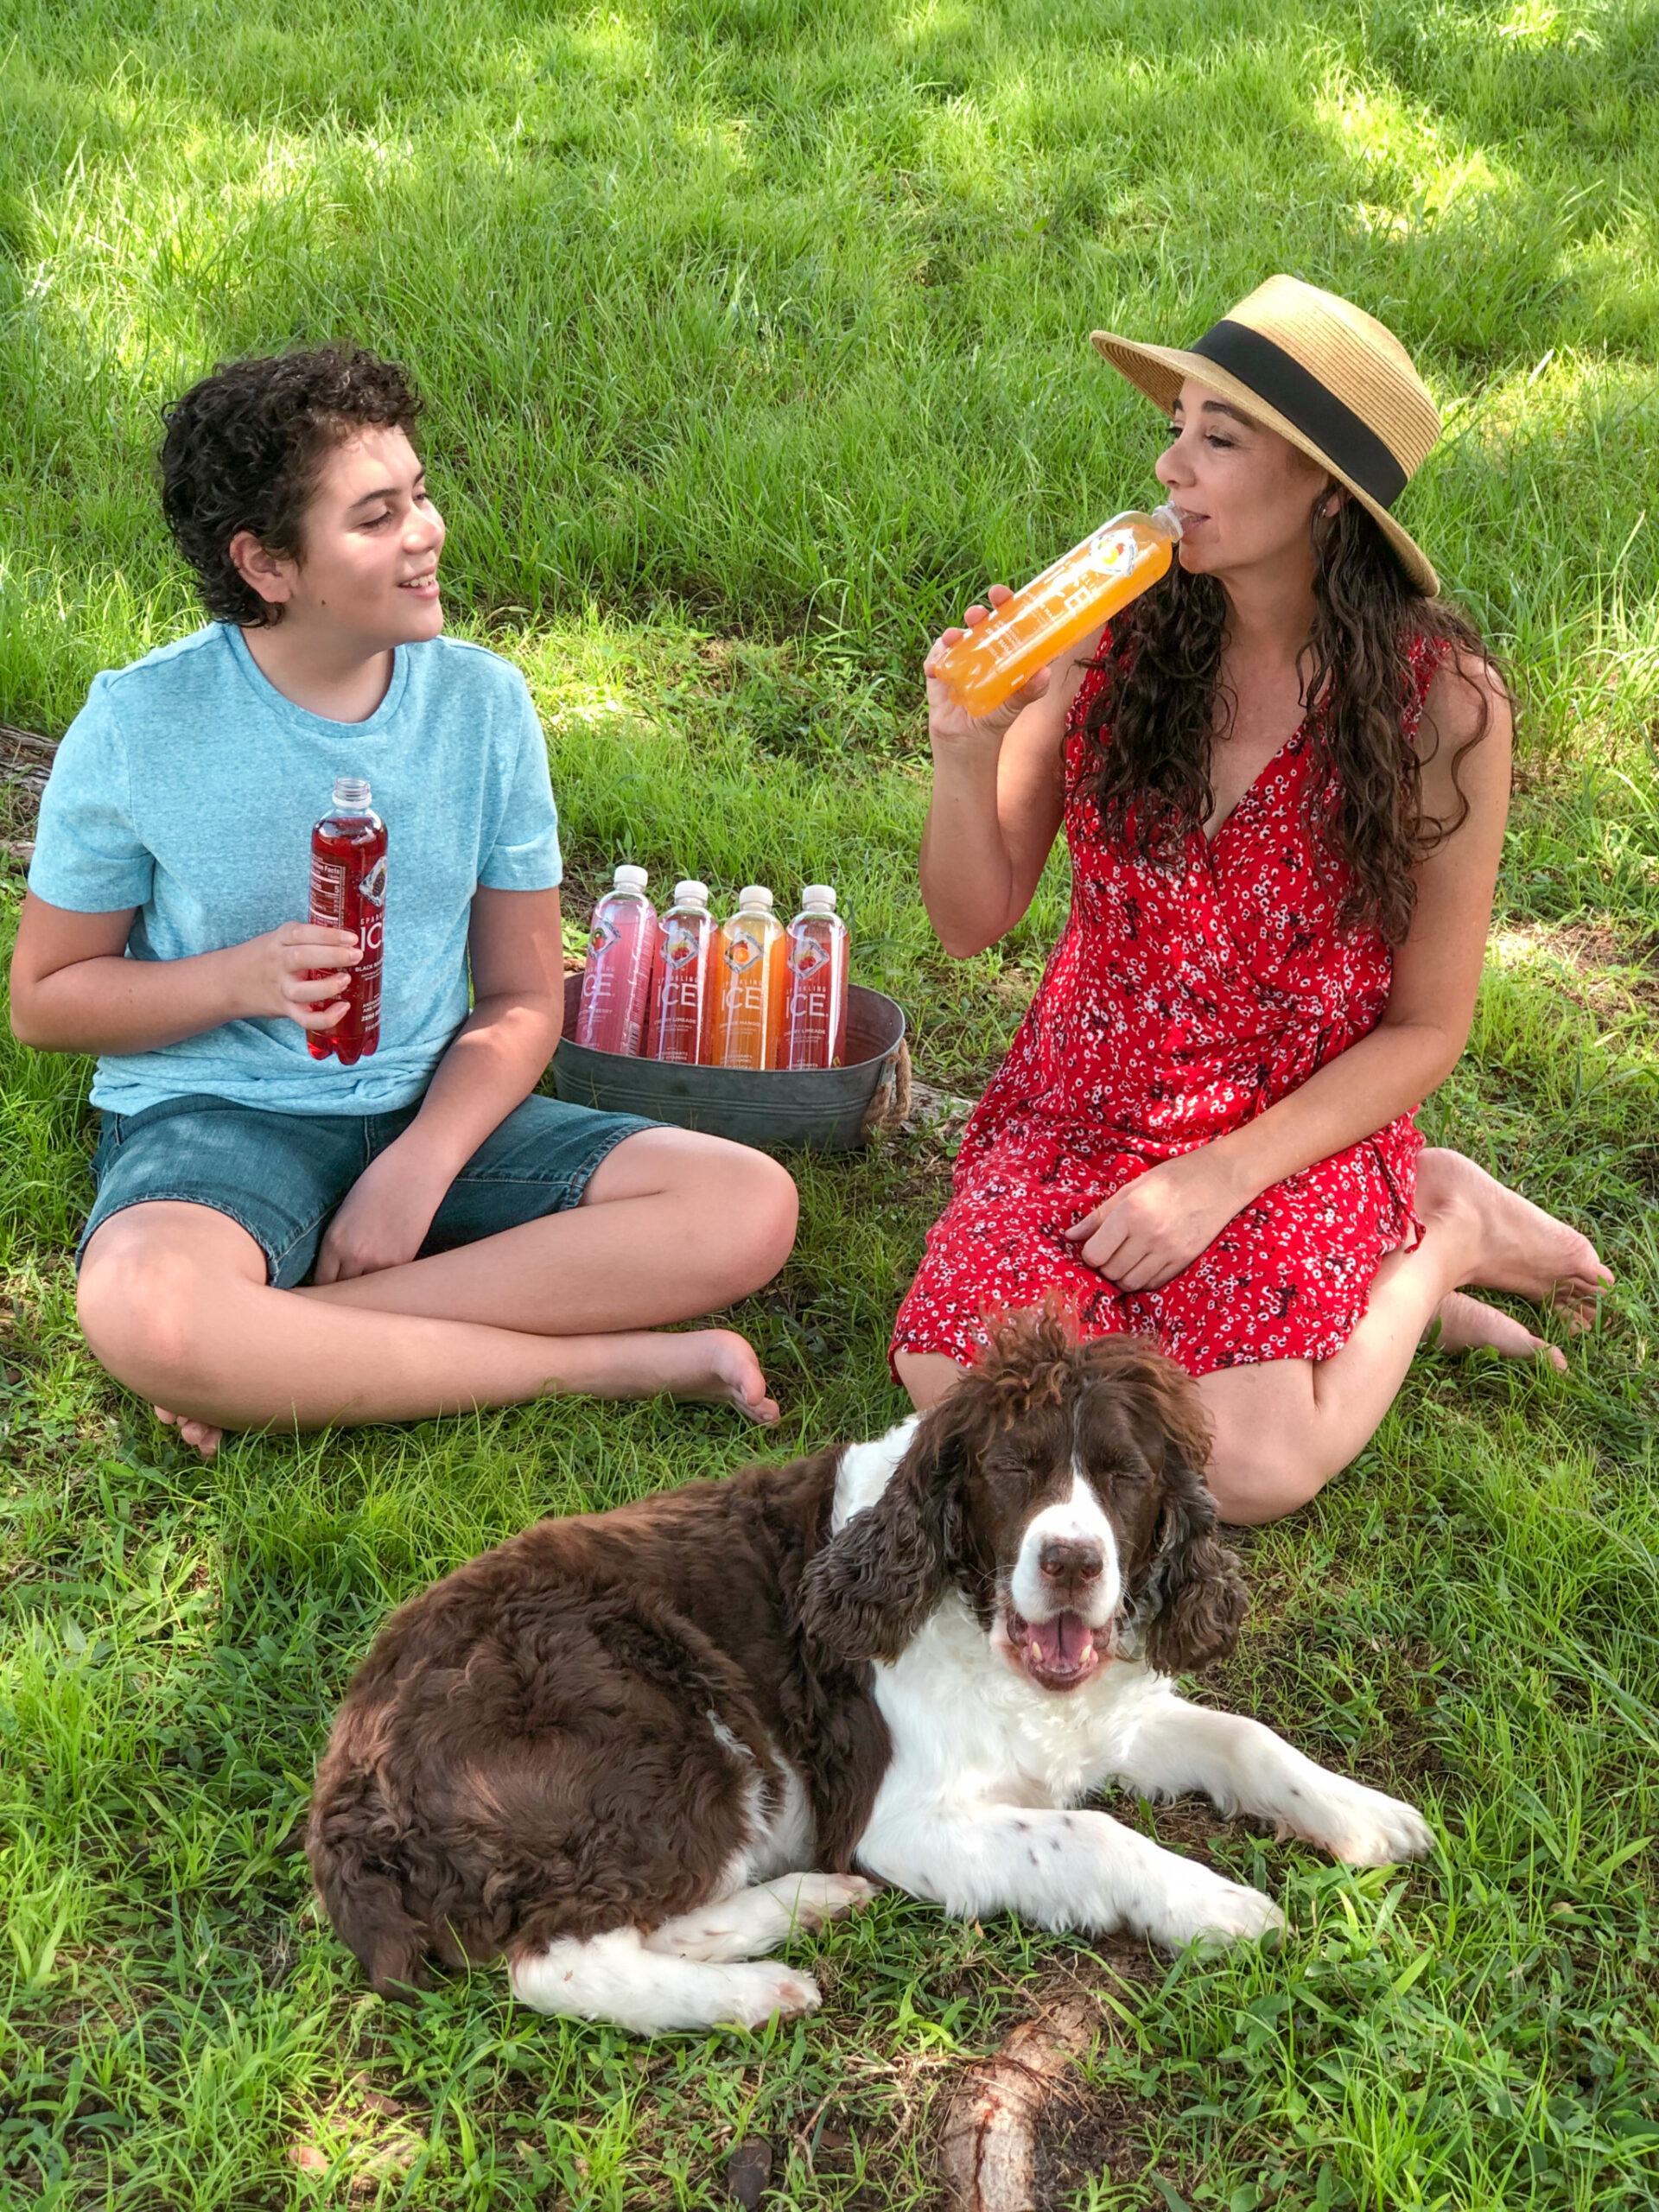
679 977
815 990
348 891
746 1016
1083 588
616 982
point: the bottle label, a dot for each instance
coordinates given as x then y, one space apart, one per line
327 892
743 948
374 884
679 946
603 935
806 957
1112 553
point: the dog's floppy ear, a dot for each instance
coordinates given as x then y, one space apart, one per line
872 1587
1193 1602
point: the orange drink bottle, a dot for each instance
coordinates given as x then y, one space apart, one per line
1083 588
616 982
748 994
815 991
679 977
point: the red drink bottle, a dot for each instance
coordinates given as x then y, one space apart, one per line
348 891
679 977
815 991
616 982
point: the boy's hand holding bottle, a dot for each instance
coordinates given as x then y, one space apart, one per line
295 972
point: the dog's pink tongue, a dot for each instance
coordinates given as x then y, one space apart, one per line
1064 1644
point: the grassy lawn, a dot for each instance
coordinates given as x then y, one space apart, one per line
755 337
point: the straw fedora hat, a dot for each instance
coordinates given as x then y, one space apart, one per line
1329 378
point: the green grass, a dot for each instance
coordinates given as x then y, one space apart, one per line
755 336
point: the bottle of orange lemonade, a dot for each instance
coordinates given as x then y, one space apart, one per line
748 993
1082 589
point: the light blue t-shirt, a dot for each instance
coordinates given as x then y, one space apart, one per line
187 787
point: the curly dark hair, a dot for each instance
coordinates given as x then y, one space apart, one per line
243 449
1150 730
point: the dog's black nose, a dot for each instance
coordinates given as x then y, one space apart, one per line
1070 1559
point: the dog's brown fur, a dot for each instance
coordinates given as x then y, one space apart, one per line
527 1753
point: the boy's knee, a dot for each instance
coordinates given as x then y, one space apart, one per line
769 1208
139 1309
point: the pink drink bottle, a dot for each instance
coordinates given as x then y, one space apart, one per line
679 976
348 891
616 982
815 991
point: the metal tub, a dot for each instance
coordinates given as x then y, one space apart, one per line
827 1110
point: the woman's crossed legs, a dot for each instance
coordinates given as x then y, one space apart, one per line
1283 1429
175 1302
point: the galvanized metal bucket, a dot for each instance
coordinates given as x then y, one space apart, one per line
827 1109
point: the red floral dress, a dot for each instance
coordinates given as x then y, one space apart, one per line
1176 1008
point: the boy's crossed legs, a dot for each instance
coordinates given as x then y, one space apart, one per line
174 1299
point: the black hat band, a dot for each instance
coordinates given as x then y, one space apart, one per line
1295 392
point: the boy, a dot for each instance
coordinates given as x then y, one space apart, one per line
281 1240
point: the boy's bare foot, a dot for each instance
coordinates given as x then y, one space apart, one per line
717 1367
1521 1248
204 1437
1469 1325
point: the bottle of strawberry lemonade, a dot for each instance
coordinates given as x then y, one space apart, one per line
679 977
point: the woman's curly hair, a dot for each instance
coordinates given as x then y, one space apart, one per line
244 450
1150 730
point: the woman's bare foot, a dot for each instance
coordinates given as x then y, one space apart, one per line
1468 1323
206 1438
1519 1246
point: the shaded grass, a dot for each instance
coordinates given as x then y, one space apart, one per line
754 339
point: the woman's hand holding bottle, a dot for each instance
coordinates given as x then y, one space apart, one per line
948 724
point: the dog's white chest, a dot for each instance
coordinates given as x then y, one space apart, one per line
963 1722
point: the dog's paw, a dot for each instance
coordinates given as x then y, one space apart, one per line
753 1994
810 1899
1208 1910
1361 1826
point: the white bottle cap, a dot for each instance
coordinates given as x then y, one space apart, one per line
630 878
690 892
821 896
755 894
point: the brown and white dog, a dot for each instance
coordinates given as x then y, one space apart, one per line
630 1751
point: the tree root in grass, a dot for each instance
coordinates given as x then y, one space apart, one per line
988 2149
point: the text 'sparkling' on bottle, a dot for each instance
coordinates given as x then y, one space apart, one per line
348 891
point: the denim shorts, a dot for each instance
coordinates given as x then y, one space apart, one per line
281 1176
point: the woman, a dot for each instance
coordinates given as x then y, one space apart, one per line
1283 775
